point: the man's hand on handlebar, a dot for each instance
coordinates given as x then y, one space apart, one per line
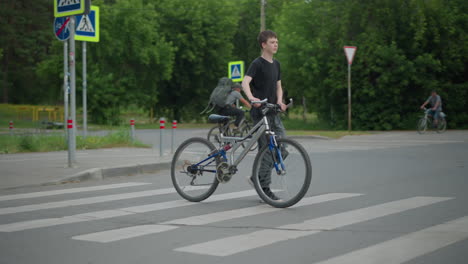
282 106
254 101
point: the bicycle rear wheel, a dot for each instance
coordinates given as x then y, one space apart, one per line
422 125
245 131
282 189
193 174
441 126
213 136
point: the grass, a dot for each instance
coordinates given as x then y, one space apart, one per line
56 141
20 143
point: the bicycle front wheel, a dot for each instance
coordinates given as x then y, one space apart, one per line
193 173
422 125
286 186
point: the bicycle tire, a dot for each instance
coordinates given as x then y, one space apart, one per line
298 174
213 136
422 125
442 126
245 131
193 151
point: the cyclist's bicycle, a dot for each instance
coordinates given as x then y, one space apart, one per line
281 171
224 128
426 120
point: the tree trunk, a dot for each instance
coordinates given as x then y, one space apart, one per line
304 109
5 78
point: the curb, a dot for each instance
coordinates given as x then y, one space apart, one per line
107 172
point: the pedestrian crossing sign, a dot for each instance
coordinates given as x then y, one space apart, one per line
87 26
64 8
236 71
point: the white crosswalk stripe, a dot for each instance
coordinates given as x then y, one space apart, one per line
32 224
72 190
393 251
83 201
236 244
407 247
136 231
343 145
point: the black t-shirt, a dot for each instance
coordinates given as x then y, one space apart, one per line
265 76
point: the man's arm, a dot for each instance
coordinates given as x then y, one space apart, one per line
279 95
425 103
247 104
246 88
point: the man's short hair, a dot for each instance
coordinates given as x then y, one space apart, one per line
264 36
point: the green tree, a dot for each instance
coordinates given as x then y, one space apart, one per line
202 33
26 31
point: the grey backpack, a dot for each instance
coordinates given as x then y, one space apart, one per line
219 94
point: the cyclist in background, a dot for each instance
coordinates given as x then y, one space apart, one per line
230 108
436 103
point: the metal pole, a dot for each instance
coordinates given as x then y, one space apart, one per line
262 15
65 88
349 97
73 90
85 109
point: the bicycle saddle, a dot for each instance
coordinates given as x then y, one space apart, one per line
213 118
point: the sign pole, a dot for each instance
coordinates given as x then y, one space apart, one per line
65 86
349 52
349 97
73 91
85 111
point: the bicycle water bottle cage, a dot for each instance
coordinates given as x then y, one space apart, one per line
213 118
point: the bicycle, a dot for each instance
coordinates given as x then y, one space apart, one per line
426 120
281 171
224 128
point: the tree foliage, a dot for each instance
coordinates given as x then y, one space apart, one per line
167 55
406 48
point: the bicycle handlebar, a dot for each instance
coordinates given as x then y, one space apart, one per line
269 105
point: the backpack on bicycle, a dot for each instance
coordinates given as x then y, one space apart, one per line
219 94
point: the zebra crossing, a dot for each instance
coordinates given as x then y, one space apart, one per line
365 144
421 242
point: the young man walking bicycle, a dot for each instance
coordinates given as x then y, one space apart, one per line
263 80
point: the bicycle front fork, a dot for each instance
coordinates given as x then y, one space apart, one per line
277 157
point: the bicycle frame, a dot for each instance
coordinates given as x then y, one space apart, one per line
254 134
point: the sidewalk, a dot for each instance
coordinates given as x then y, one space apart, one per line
29 169
33 169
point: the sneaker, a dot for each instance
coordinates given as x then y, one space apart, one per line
270 194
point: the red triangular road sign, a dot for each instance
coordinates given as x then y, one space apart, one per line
349 52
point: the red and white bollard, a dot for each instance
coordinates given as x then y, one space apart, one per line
132 129
71 157
174 126
162 126
11 127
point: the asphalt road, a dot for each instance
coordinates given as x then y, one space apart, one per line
389 198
